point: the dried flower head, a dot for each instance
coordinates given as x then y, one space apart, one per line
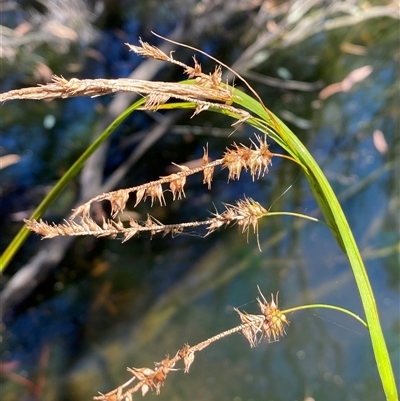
245 213
255 159
208 171
118 201
252 327
270 325
178 181
156 191
187 354
148 50
275 321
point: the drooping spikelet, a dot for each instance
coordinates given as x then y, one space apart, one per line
270 325
255 159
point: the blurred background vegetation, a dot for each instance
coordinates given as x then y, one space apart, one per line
76 312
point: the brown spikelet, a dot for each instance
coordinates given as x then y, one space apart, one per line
208 171
156 192
253 325
162 370
210 81
275 321
40 227
187 355
105 225
216 76
155 99
135 227
87 226
147 50
152 379
139 195
270 325
235 160
118 201
177 187
245 213
217 222
193 71
255 159
81 211
144 376
141 373
248 212
178 183
129 234
62 88
201 107
153 225
260 158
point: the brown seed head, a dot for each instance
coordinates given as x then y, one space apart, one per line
274 324
154 192
177 186
148 50
270 325
260 158
193 71
208 171
187 355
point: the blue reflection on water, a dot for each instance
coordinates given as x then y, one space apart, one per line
348 155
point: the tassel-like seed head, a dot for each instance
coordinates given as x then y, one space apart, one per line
187 355
270 325
208 171
154 192
275 320
255 158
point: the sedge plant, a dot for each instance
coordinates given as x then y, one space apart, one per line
203 92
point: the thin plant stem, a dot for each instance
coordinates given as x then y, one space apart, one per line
21 236
326 306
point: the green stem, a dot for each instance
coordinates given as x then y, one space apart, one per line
340 229
326 306
21 236
271 125
302 216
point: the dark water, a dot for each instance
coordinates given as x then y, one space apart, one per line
110 305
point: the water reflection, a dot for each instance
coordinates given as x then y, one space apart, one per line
109 305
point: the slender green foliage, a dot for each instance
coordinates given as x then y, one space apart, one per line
339 226
208 93
20 237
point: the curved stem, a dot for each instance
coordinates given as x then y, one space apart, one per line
337 222
326 306
303 216
19 239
